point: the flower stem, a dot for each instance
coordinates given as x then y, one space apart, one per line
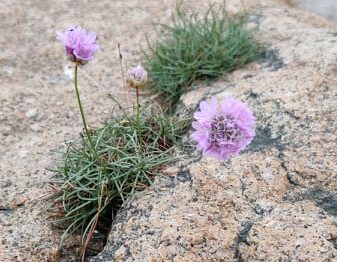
139 127
81 110
122 72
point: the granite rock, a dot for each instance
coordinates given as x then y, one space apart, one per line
206 211
292 232
276 200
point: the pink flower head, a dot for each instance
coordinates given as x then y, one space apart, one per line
223 129
80 46
136 76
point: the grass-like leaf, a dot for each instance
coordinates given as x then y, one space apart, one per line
89 185
197 47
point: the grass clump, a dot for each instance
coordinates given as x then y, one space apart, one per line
90 185
197 47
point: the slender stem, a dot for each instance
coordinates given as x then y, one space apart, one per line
123 74
81 110
139 128
121 64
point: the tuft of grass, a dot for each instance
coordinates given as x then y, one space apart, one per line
89 185
197 47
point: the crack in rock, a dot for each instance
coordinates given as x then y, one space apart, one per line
242 238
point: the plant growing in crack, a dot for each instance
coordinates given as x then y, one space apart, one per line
98 174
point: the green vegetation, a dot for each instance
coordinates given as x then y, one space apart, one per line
197 47
92 182
99 173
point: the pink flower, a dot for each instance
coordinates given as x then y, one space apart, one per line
136 76
223 129
80 46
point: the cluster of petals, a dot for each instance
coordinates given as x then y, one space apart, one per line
80 46
136 76
223 129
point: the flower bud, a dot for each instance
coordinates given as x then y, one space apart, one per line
136 77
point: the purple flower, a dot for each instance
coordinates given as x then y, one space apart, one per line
136 76
80 46
223 129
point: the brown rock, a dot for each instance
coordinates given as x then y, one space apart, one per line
274 202
293 232
193 219
205 215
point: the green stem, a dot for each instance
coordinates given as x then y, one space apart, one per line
81 110
139 128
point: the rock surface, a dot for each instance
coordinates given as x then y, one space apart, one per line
326 8
283 189
276 201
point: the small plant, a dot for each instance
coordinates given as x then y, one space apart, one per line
100 172
88 188
197 47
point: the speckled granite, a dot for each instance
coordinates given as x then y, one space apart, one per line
210 210
275 202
